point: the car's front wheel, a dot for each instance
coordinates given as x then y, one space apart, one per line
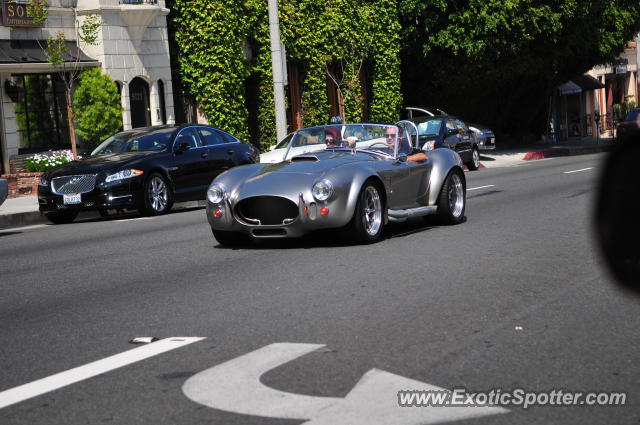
474 164
232 239
368 218
157 196
61 217
452 198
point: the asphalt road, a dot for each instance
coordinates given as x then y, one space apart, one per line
515 297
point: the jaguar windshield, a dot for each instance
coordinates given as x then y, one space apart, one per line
132 141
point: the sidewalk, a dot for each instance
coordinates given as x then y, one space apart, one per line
510 157
17 212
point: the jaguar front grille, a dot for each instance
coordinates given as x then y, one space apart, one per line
267 210
66 185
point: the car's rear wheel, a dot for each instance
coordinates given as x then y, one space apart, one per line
157 196
368 218
61 217
452 199
474 164
232 239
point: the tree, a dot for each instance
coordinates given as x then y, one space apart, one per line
499 62
56 49
97 105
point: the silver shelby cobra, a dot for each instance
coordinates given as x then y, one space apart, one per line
358 177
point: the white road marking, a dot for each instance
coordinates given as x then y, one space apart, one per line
234 386
72 376
577 171
481 187
14 229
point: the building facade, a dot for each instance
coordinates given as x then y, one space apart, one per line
601 92
132 47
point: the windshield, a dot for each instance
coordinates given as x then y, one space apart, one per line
360 136
429 127
134 141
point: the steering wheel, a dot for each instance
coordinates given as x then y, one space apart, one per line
378 143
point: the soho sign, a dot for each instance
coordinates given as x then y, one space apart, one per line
15 15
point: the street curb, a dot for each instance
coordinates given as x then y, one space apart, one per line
556 152
29 218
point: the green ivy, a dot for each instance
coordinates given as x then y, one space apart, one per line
343 35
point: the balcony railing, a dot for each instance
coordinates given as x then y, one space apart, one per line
138 1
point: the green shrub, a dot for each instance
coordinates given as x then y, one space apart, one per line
97 106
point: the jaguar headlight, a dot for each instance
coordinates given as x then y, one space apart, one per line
216 193
322 190
122 175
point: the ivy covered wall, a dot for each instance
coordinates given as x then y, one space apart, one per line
340 38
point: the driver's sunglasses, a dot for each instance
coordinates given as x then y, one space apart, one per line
387 135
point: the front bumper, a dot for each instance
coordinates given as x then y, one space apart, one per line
309 219
122 195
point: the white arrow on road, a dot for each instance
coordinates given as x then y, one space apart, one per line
235 386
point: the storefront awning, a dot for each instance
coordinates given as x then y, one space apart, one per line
28 55
580 84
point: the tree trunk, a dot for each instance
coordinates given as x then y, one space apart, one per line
72 132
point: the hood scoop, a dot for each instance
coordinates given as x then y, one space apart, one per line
305 158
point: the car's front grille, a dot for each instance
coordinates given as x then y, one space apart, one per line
267 210
82 183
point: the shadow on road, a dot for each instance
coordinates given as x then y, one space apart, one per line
9 233
337 238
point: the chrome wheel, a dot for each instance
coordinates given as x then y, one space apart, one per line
158 194
456 195
372 211
476 159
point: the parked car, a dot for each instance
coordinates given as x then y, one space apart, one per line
484 137
446 131
630 127
307 140
147 169
361 189
4 190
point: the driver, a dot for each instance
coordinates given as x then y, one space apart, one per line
413 154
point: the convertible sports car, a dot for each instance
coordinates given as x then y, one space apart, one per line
360 189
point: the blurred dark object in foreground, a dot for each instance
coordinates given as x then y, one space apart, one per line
617 215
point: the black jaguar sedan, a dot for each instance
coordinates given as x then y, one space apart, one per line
147 169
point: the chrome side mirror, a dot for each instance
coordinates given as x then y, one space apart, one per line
402 157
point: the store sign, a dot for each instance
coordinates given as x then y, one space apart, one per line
15 15
620 69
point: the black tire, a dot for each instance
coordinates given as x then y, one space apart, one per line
452 200
61 217
103 213
232 239
156 197
368 218
474 164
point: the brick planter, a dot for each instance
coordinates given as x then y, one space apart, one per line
22 184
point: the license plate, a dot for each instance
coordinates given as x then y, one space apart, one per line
74 198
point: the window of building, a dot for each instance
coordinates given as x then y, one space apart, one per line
41 113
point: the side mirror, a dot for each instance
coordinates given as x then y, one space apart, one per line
182 146
402 157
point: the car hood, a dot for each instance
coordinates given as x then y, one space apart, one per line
95 164
287 178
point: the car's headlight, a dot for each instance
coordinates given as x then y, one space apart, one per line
476 131
322 190
122 175
429 146
44 181
216 193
